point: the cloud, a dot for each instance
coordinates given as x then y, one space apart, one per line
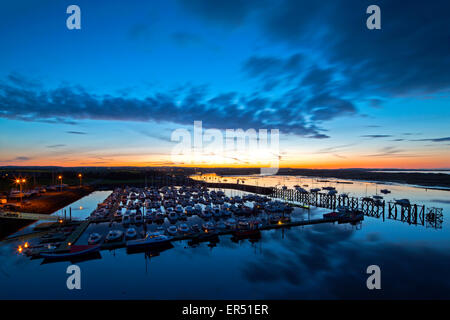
22 158
408 56
290 113
53 146
375 136
444 139
389 151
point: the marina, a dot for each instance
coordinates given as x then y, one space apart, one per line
208 242
199 215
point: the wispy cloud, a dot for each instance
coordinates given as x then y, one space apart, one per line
376 136
444 139
54 146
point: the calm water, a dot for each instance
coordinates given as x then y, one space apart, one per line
322 261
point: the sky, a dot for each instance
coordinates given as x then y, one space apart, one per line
114 92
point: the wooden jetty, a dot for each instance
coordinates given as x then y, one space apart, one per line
409 213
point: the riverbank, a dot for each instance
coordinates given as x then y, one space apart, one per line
422 179
50 202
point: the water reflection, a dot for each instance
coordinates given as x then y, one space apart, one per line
317 261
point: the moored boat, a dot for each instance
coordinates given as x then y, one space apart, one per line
94 238
73 251
150 239
114 235
130 233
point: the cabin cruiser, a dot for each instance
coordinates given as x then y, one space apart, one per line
207 213
195 228
150 239
217 212
172 230
94 238
385 191
130 233
208 226
243 224
172 216
179 209
183 228
230 223
189 210
114 235
315 190
198 209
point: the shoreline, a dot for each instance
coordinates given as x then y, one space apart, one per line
51 202
436 181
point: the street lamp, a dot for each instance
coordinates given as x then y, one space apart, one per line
19 182
60 179
80 176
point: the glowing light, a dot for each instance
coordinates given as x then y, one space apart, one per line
59 177
60 221
23 180
69 244
18 181
80 175
81 208
25 245
20 249
279 222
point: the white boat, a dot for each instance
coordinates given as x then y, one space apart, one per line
172 230
231 223
114 235
130 233
150 239
94 238
183 228
207 213
217 212
208 226
195 228
189 211
173 216
179 209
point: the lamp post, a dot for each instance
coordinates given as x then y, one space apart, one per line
19 182
80 176
60 179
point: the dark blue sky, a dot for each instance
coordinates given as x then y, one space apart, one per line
112 92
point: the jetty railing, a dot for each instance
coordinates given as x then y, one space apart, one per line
414 214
